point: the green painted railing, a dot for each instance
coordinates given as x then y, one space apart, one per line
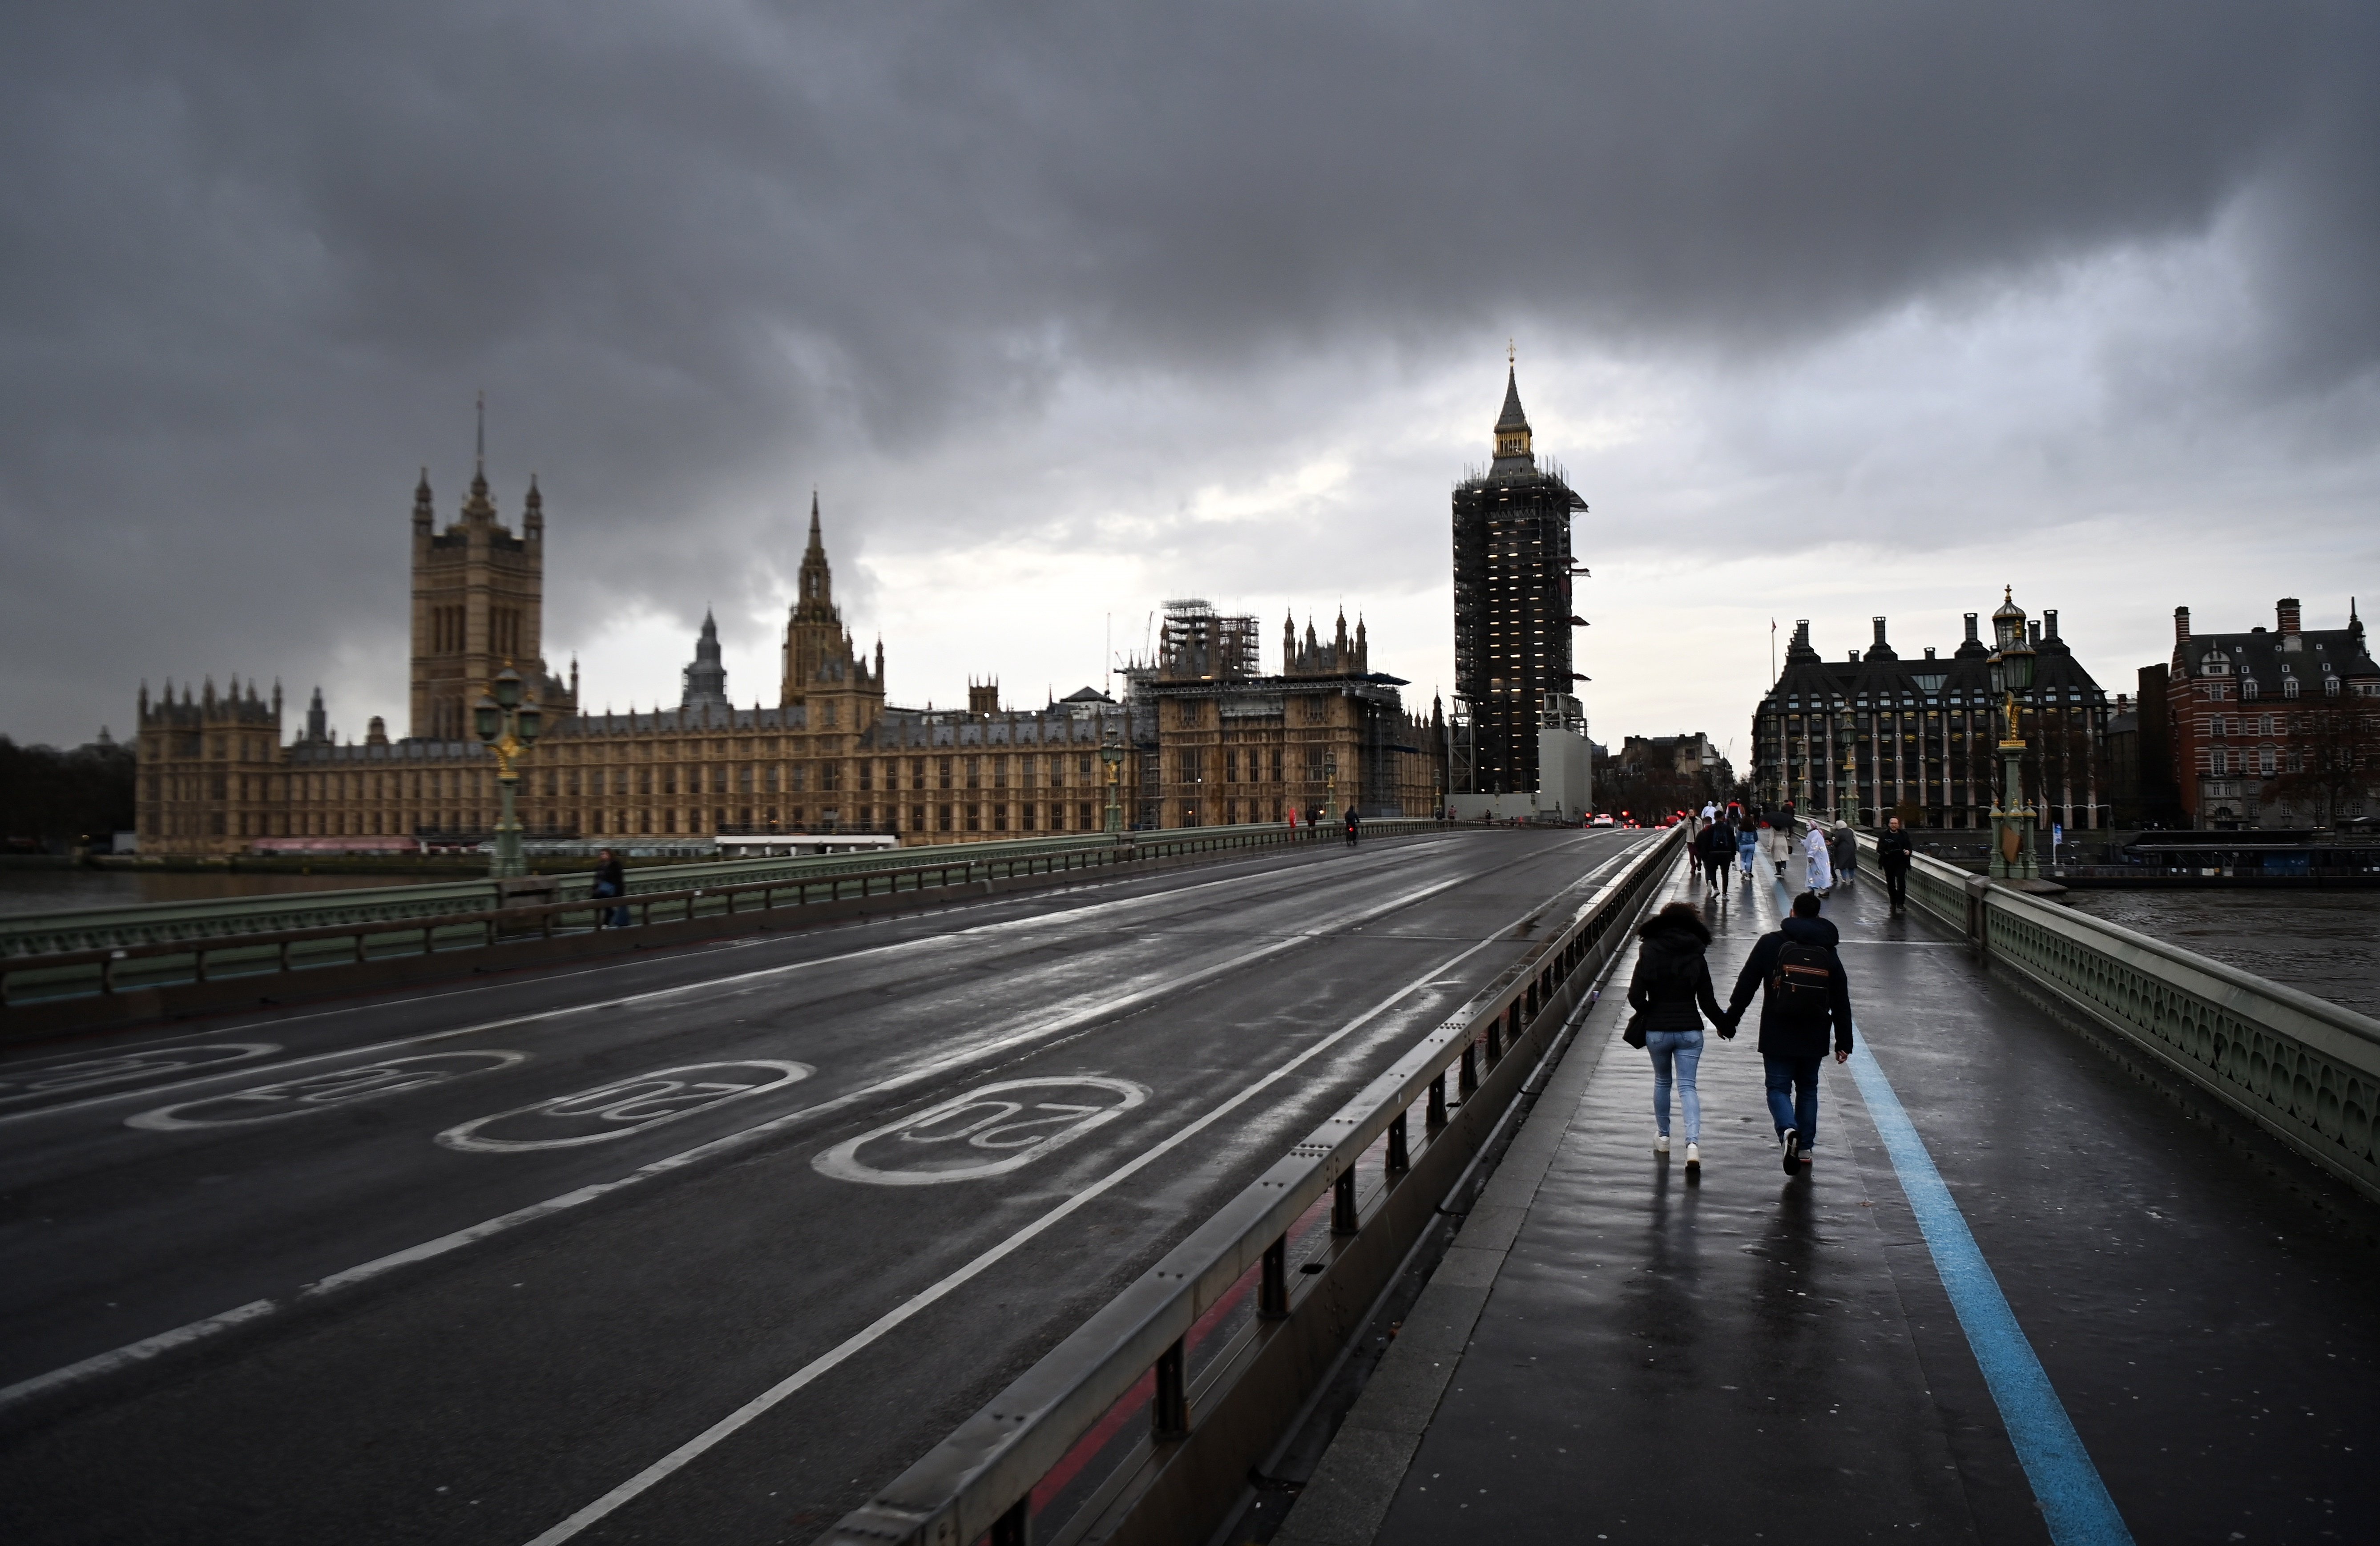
124 955
2305 1069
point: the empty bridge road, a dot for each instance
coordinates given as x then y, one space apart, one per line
701 1245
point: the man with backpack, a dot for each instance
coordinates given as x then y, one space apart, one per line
1805 993
1715 850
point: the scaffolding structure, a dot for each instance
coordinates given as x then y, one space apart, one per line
1198 643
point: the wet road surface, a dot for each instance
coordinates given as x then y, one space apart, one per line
456 1264
1740 1357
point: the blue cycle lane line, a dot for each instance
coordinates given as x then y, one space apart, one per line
2075 1504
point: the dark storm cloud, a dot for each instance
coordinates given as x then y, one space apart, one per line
256 258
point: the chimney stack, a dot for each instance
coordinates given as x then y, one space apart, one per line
2182 624
1971 630
2288 613
1879 630
2049 622
2032 633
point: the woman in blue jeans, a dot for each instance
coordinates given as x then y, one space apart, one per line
1670 991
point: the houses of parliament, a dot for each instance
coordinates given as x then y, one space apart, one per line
1207 737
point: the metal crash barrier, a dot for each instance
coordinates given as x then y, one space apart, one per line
1185 1466
2306 1070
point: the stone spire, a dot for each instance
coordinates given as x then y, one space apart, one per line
1512 453
425 514
816 603
706 679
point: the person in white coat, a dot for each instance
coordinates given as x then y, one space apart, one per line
1821 869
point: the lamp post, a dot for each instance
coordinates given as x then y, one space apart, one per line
509 726
2011 666
1111 753
1847 792
1330 785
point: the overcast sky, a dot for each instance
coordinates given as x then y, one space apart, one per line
1828 309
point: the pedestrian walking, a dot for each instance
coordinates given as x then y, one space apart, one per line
1747 845
1893 851
1350 826
1818 871
1670 993
1804 994
1842 852
611 880
1780 822
1715 849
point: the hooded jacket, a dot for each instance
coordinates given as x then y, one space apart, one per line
1778 1038
1671 977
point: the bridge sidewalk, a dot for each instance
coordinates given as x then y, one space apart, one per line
1613 1350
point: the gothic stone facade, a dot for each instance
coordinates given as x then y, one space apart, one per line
216 777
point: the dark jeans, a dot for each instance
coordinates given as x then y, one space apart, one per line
1895 883
1793 1095
1714 870
614 917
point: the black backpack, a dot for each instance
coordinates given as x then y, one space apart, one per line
1800 987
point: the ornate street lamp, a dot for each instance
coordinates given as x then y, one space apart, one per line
1846 792
1330 785
2012 819
509 726
1111 753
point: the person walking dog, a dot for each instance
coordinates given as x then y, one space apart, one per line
1893 852
1805 993
1670 990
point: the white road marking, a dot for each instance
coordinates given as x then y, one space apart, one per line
1038 921
134 1352
625 1106
72 1071
337 1086
677 1459
918 1073
985 1119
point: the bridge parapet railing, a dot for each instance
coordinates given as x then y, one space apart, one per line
161 922
2305 1069
1204 1431
411 926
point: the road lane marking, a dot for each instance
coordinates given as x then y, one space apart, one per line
135 1352
67 1073
1015 1133
931 1068
323 1091
2074 1501
631 1105
741 1416
1038 921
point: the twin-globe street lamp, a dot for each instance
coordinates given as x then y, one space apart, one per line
509 726
2012 819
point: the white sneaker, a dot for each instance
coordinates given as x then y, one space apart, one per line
1661 1143
1694 1156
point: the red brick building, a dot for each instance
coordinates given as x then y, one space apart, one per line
2275 727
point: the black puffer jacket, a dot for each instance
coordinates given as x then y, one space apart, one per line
1671 977
1777 1038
